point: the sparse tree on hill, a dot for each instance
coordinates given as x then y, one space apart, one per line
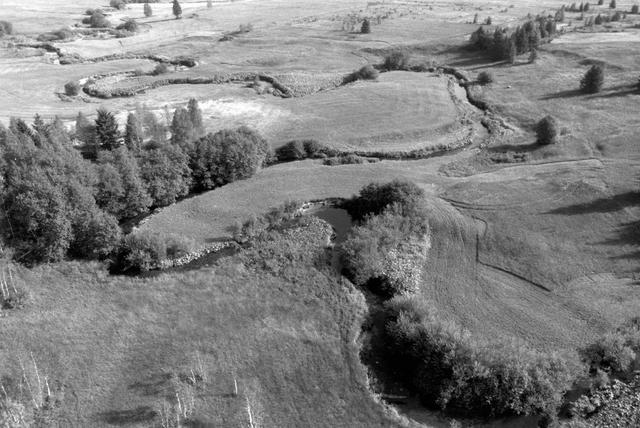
547 130
560 15
598 20
177 10
586 7
366 26
133 133
106 130
612 5
484 78
488 21
533 56
600 2
209 4
147 10
475 18
634 9
593 80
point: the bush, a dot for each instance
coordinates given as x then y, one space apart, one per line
160 68
6 28
387 253
612 5
593 80
98 20
365 73
129 25
485 77
396 60
72 88
348 159
147 10
366 27
462 373
142 251
228 155
117 4
615 350
179 246
547 131
375 197
292 151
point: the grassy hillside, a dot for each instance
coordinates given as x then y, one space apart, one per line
285 331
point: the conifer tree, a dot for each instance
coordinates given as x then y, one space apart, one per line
177 10
195 115
593 80
366 27
147 10
106 130
133 133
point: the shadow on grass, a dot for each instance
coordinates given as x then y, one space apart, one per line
126 417
563 94
603 205
619 91
522 148
628 234
156 385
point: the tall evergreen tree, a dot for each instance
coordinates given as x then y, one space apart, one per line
195 114
106 130
366 27
147 10
133 133
593 80
177 10
181 128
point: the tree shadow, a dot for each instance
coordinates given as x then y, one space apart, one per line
618 91
563 94
628 234
521 148
126 417
603 205
155 385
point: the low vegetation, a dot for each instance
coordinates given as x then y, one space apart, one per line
367 72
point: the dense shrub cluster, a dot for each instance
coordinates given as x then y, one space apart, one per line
349 159
302 149
72 88
228 155
465 374
144 251
615 351
129 25
365 73
57 204
6 28
504 44
374 198
396 60
485 77
97 19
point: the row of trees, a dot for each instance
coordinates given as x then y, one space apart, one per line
503 44
57 204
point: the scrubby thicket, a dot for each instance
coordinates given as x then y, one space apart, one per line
440 361
504 44
57 204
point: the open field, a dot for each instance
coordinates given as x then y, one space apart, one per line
120 344
537 244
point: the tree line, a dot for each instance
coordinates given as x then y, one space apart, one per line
503 44
57 203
